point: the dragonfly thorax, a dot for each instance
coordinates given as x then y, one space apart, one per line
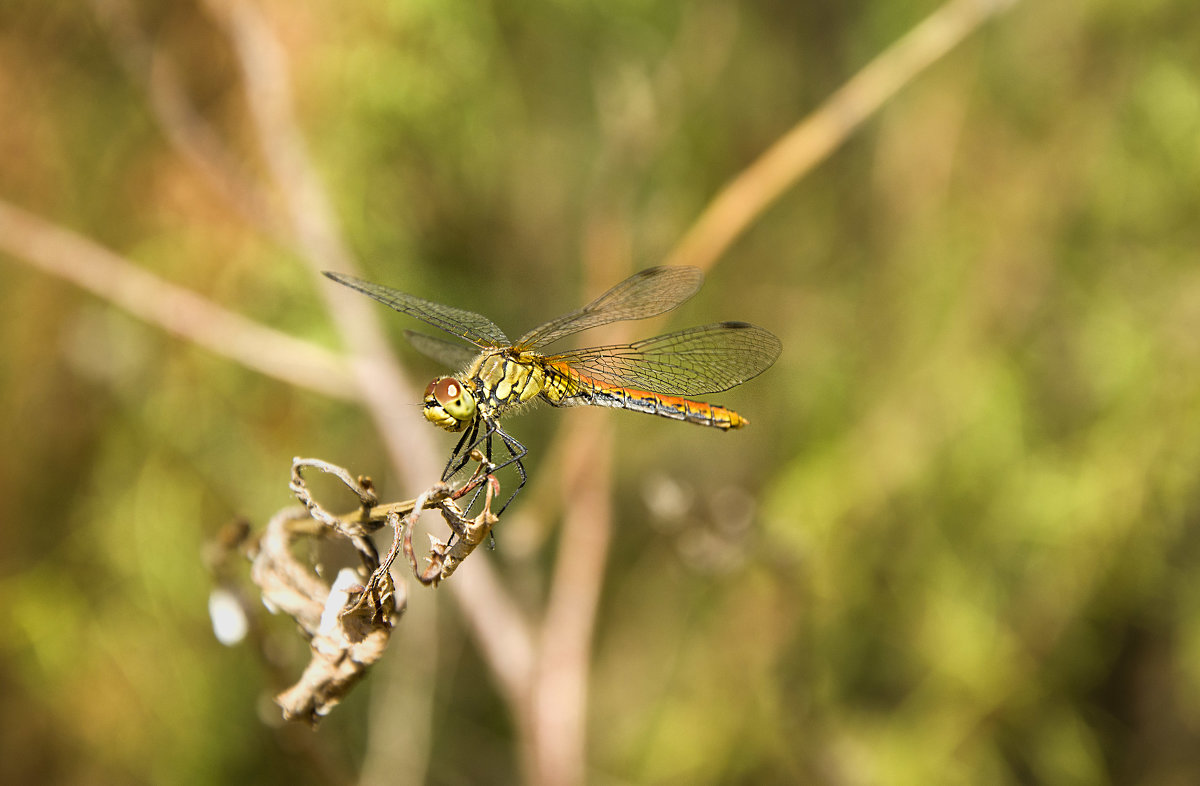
449 404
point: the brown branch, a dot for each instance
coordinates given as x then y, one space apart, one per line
74 258
560 699
347 635
446 556
349 624
744 198
499 627
748 195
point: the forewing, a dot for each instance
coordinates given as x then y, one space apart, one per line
476 328
651 292
690 362
450 353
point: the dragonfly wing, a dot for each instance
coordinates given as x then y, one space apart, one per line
689 362
450 353
476 328
651 292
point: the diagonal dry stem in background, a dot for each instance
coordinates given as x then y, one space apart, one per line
177 310
313 230
745 198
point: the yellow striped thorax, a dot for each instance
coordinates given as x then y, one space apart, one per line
495 381
506 378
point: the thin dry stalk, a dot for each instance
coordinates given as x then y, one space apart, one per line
740 203
177 310
349 623
348 628
314 231
561 691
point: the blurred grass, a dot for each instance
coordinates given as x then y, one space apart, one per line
972 476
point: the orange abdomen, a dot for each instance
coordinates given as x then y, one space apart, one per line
574 389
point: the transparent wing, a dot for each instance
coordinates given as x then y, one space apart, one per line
476 328
690 362
651 292
451 353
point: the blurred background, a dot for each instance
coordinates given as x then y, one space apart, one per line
958 543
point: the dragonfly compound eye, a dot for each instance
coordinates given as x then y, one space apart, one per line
452 397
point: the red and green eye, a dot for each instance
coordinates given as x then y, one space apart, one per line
452 396
446 390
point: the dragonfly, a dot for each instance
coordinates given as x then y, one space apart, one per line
658 376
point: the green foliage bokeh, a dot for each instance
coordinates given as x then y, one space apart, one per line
956 545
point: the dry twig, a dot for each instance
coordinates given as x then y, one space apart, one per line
758 186
177 310
349 623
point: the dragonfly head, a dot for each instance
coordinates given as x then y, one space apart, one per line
449 404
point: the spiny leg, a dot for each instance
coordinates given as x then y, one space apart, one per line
491 427
516 452
461 455
467 448
472 440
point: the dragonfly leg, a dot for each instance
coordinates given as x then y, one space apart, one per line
516 452
459 458
478 437
491 427
481 437
486 439
462 451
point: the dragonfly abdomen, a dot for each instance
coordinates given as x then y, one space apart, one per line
577 390
698 412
